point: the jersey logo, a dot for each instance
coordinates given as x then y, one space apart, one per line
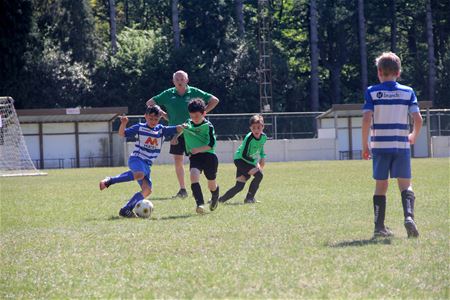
151 141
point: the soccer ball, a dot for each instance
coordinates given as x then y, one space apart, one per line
144 208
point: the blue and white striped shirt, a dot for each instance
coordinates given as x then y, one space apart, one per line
149 140
390 103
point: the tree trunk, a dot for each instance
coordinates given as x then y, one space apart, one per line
175 25
431 58
240 17
362 44
127 21
394 26
112 25
314 40
335 76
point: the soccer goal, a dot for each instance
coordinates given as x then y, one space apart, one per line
14 157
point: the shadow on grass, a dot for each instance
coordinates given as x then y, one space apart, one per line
174 217
361 243
233 203
161 198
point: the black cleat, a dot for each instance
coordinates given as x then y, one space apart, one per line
182 193
250 201
126 213
214 202
411 228
382 232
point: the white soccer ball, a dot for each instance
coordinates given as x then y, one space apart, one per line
144 208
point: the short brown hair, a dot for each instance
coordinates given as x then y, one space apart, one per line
196 105
257 119
388 63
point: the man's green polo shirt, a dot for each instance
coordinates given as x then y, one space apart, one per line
176 105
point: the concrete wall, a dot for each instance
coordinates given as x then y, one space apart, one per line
440 146
276 150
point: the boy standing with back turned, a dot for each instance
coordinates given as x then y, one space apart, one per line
386 110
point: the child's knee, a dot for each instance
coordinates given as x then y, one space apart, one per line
138 175
146 191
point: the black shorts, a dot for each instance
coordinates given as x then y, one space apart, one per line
205 162
243 168
180 148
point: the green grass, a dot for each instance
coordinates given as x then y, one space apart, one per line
308 238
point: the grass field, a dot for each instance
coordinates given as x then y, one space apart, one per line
310 237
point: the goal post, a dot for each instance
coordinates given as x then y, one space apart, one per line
14 157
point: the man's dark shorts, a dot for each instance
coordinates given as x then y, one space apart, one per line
206 162
242 168
180 148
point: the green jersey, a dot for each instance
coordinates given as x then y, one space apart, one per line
176 105
199 135
251 149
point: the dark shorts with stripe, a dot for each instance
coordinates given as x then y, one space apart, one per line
180 148
242 168
205 162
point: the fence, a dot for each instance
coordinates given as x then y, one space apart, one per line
295 125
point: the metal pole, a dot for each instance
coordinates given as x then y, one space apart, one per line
275 126
439 124
429 132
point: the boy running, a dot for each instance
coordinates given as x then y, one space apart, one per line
246 161
386 111
147 148
200 143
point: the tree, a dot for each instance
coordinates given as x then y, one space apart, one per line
240 17
175 25
431 57
314 56
112 22
362 44
393 25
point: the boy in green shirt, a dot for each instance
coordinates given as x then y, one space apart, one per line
200 143
246 161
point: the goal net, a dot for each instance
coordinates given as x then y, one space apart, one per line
14 157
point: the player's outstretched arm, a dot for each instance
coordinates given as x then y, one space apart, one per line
123 125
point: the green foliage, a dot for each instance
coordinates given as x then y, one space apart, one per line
309 238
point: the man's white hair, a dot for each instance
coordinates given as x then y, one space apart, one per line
180 72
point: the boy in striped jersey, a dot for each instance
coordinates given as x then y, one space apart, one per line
150 136
386 109
200 144
249 160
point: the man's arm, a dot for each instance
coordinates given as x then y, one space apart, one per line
417 125
367 120
211 104
150 102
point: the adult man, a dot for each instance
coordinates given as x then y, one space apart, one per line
175 101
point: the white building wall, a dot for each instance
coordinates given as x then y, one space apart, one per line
440 146
276 150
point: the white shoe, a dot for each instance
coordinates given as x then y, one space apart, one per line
200 209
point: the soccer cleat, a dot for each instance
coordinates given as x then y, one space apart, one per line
250 200
105 183
411 228
382 232
213 203
127 213
200 209
182 193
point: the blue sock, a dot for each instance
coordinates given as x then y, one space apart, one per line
124 177
134 200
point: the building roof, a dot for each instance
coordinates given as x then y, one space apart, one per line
355 110
61 115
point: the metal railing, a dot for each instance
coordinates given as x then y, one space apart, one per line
290 125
